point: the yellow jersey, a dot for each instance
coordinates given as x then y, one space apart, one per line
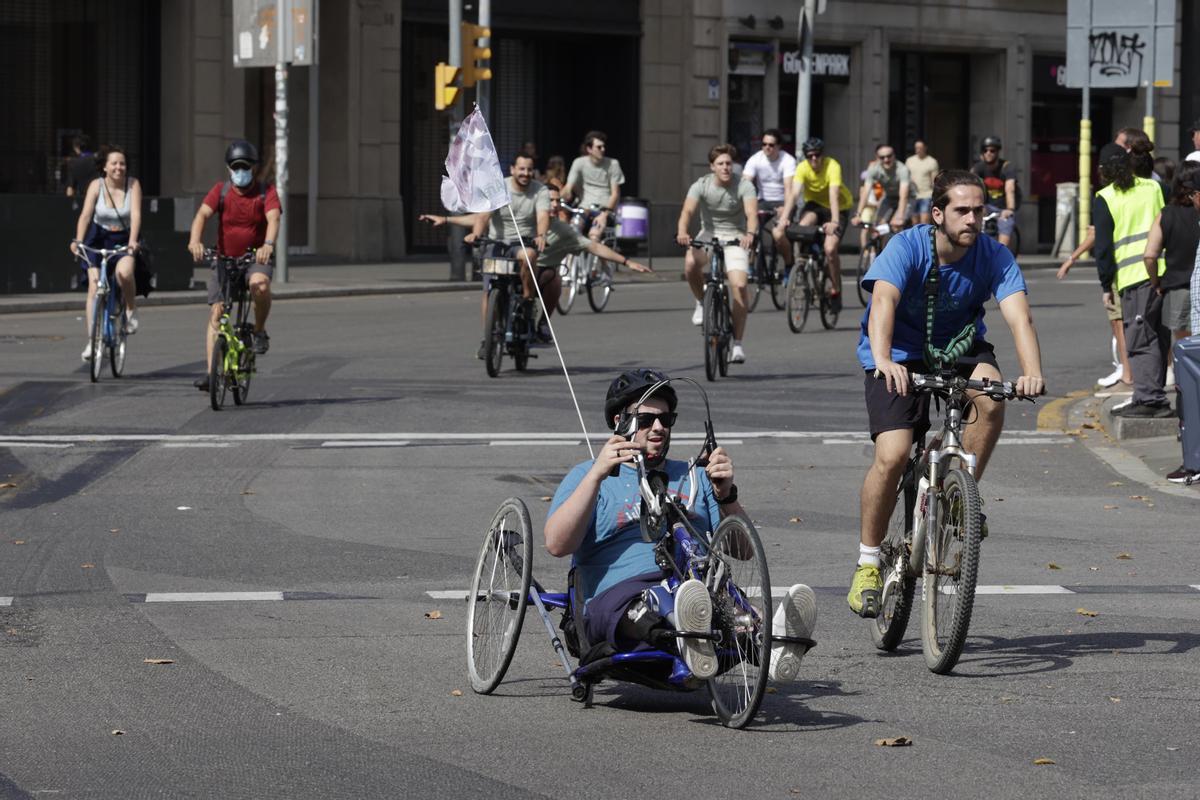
816 183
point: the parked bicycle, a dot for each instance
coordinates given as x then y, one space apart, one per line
587 272
510 320
110 324
232 366
809 282
769 271
935 531
877 238
717 326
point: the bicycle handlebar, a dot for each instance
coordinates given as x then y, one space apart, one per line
949 382
699 244
211 254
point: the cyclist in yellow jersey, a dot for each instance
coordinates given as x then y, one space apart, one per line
818 181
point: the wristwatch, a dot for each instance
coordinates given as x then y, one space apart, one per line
731 497
270 242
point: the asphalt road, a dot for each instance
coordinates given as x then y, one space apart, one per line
285 556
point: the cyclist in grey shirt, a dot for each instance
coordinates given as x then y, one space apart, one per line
594 178
895 180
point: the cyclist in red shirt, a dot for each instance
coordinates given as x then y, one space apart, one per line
248 213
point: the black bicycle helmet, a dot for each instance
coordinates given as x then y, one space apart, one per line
813 145
241 150
989 141
630 386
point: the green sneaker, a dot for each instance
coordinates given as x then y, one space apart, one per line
865 590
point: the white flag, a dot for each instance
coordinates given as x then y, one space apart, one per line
475 181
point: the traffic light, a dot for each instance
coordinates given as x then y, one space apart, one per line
444 90
474 55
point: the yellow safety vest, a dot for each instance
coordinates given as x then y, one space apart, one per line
1133 213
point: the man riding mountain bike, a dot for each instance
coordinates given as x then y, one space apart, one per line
1003 194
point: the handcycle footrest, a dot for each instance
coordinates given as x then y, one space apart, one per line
809 643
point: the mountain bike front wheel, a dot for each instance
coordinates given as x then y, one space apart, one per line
895 602
799 297
494 330
99 313
778 282
829 316
711 331
218 381
116 351
951 568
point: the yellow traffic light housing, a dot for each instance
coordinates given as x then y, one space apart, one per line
444 90
474 56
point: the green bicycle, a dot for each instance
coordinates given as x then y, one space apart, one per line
232 365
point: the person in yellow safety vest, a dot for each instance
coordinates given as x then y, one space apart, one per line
1123 213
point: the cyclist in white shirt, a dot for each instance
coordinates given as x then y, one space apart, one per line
771 170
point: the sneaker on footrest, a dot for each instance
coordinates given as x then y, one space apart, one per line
796 616
693 614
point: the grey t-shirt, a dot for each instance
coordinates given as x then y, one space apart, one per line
561 241
597 179
890 182
722 208
525 207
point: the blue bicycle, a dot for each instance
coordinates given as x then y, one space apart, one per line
728 561
109 326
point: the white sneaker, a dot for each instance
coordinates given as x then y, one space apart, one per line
1170 376
1111 380
86 355
693 613
131 323
796 616
698 314
737 355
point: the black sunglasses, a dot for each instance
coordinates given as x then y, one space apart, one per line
646 419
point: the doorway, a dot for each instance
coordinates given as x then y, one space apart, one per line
929 99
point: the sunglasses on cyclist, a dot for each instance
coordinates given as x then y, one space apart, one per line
812 155
991 150
645 419
770 144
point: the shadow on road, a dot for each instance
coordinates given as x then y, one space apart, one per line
989 656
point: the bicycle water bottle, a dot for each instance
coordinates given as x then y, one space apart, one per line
922 505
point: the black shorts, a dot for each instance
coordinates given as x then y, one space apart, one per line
823 215
888 411
605 609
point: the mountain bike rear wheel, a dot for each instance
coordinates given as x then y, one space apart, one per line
740 586
570 287
895 602
494 329
711 331
724 332
778 282
116 352
499 595
951 568
245 370
799 297
829 317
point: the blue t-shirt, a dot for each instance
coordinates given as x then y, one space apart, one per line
612 549
988 269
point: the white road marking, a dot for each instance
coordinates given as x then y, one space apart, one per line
209 597
6 601
1022 589
12 443
396 443
1196 586
449 594
199 444
576 443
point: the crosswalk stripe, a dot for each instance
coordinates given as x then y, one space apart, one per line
6 601
209 597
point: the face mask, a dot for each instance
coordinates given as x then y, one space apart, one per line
241 178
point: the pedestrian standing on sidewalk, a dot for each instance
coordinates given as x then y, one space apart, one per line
1123 214
1177 230
1189 407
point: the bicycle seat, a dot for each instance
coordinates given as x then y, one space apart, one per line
806 234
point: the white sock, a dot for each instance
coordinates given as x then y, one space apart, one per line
737 342
868 556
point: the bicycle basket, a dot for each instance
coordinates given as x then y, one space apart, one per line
803 233
499 265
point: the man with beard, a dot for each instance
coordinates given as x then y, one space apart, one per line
595 518
898 334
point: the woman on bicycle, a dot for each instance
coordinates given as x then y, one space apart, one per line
111 217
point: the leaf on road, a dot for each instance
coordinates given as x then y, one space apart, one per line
1094 569
433 615
1115 699
456 693
1008 699
546 498
1115 483
1041 762
1172 749
1110 507
87 566
1053 566
1137 497
796 520
8 485
1124 557
1083 612
158 661
18 541
247 491
1089 425
999 499
894 741
114 530
118 732
771 690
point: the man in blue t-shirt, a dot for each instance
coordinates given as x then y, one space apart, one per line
971 269
595 517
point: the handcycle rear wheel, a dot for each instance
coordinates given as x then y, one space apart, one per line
499 594
951 568
799 296
895 603
865 259
599 282
116 353
712 335
740 586
99 312
494 330
829 317
217 379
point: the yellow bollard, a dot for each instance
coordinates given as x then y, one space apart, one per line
1148 126
1085 177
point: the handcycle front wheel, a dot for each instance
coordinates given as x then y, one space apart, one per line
950 571
740 586
895 602
499 594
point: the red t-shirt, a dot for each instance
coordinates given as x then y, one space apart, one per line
243 221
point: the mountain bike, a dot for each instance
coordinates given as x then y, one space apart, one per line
935 531
809 282
509 322
109 320
717 327
769 269
587 272
878 236
232 366
991 227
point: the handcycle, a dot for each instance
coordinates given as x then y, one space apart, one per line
232 367
587 272
509 322
878 235
729 562
717 326
936 528
109 320
769 270
809 282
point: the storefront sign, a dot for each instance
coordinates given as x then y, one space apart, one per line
828 63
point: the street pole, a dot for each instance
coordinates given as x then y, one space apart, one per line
282 9
458 266
314 128
483 89
1085 148
804 89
